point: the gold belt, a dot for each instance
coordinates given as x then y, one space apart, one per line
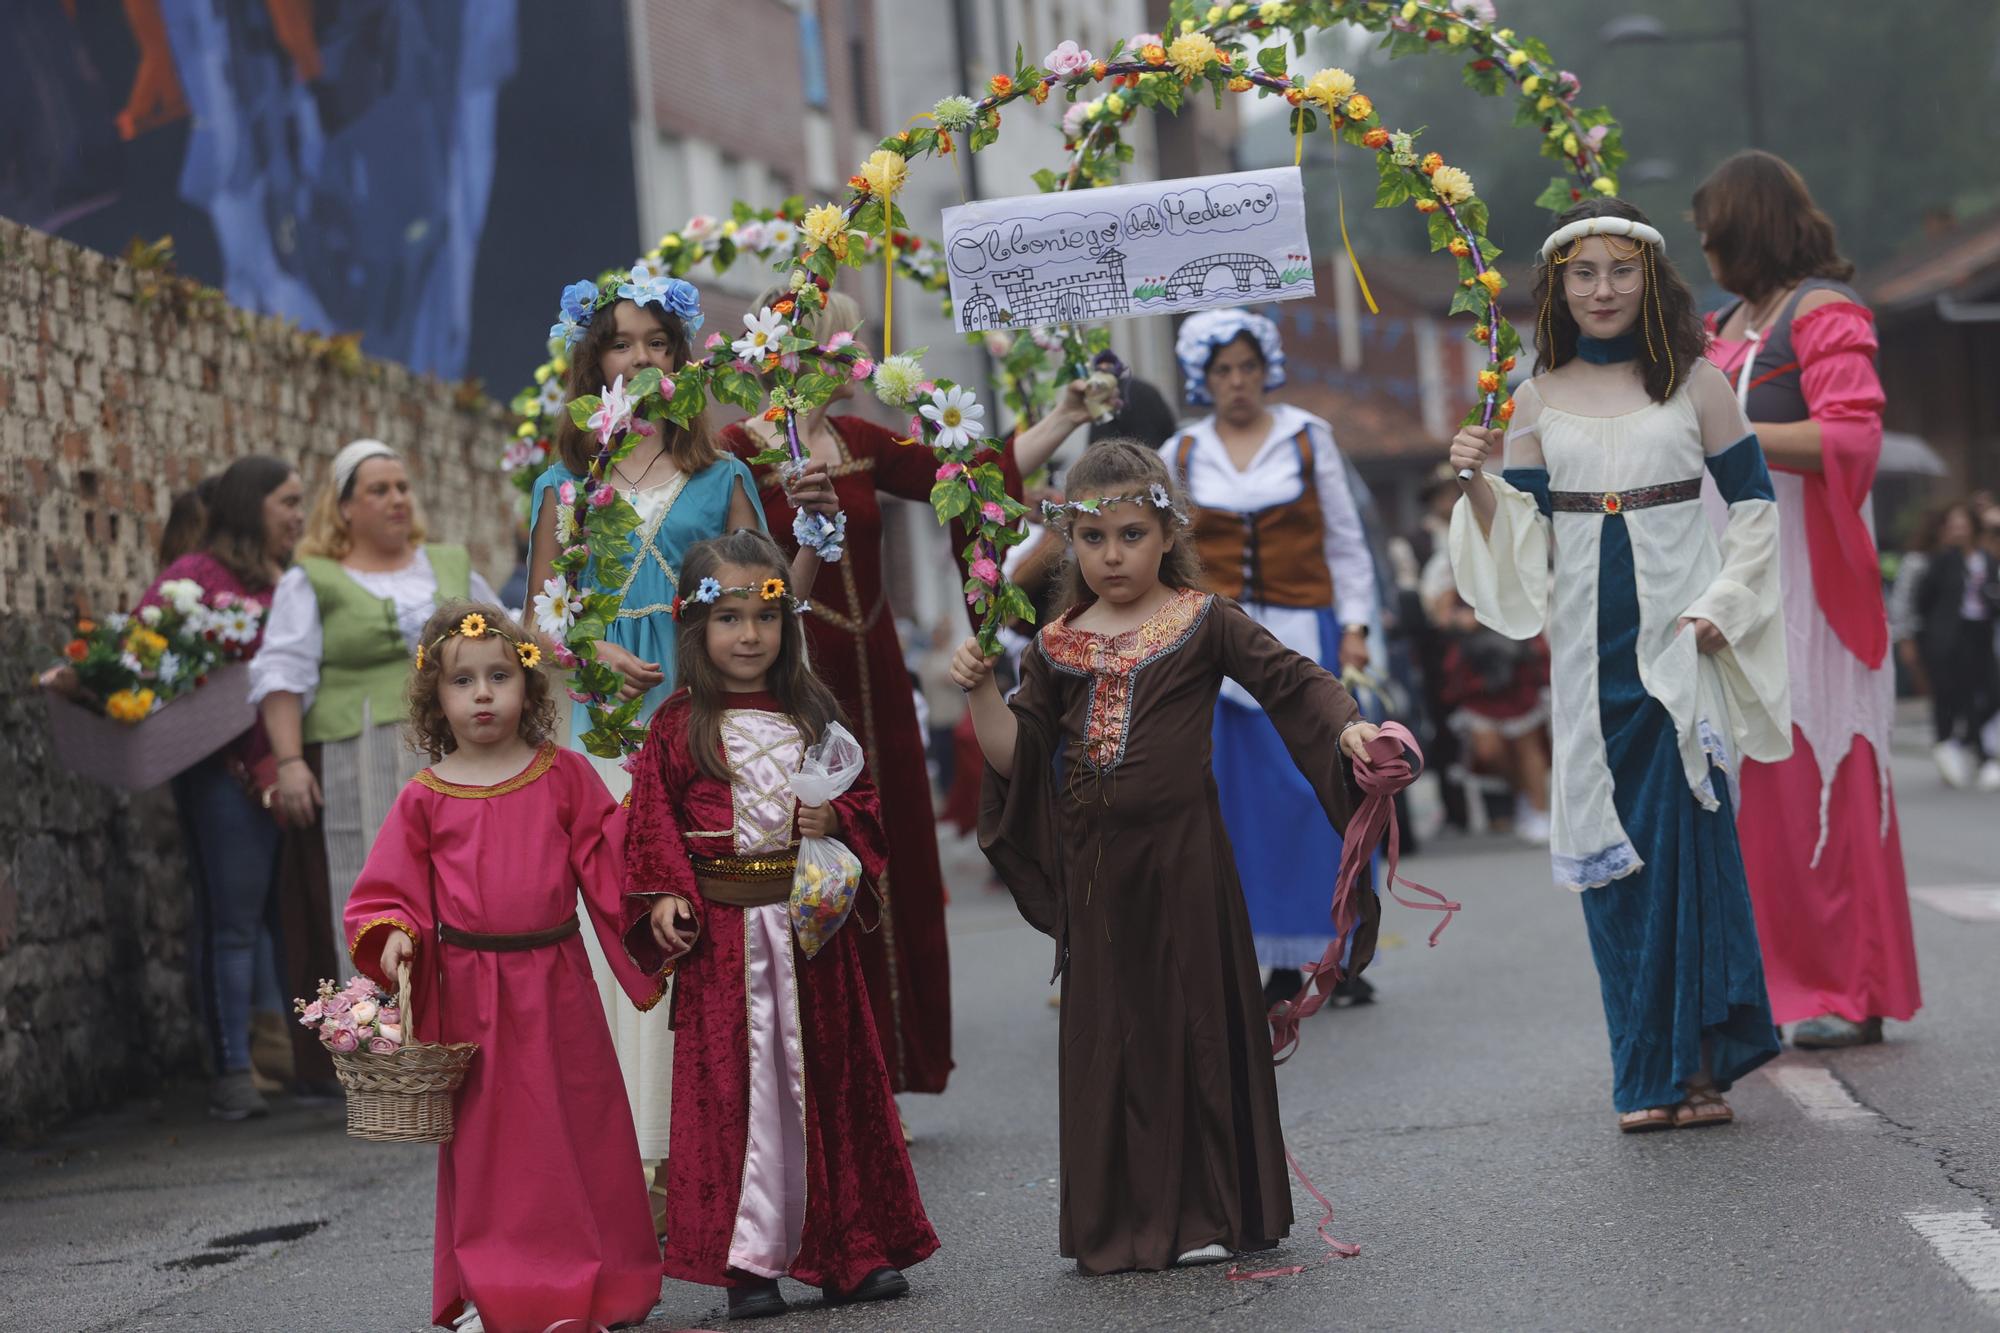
745 881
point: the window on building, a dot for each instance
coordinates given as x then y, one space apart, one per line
812 59
857 63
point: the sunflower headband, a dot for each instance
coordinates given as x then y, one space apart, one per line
710 590
1156 495
474 626
647 284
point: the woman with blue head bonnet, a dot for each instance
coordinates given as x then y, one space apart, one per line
1279 531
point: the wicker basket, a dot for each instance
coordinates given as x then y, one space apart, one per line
405 1096
134 756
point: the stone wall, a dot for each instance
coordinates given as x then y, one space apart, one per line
120 386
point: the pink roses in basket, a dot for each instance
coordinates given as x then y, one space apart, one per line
357 1017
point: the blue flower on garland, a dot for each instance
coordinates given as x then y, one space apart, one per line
579 303
676 296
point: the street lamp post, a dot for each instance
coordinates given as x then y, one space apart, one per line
1645 30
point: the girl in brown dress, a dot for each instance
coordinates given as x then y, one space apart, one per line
1100 813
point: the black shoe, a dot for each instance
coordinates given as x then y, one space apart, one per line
881 1285
754 1298
1355 990
1285 983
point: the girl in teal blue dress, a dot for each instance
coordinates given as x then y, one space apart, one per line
685 490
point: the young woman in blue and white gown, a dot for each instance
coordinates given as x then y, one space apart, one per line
1668 648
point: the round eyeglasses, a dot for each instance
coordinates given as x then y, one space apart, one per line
1582 280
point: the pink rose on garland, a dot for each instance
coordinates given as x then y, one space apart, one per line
992 512
986 571
861 369
344 1041
844 338
950 470
602 497
1067 61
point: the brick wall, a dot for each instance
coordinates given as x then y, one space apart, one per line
108 406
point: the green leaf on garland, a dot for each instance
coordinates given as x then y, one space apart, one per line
581 409
1272 60
1441 230
1556 196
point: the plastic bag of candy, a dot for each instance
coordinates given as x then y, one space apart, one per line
828 874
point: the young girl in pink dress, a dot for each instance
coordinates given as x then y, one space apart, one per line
541 1220
785 1159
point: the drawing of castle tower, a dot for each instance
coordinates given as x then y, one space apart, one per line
1099 293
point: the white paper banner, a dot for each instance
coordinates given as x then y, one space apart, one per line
1129 250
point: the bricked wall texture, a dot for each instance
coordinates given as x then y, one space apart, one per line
108 406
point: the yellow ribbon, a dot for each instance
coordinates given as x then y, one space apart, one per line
888 281
944 137
1340 199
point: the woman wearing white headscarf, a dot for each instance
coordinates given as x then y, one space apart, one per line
1279 531
338 645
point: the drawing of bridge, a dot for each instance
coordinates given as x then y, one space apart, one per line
1192 277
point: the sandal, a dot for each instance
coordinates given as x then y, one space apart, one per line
1646 1121
1702 1108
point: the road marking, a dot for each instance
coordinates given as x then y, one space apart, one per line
1966 902
1818 1093
1968 1244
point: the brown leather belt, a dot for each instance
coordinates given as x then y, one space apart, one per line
533 939
745 881
1618 502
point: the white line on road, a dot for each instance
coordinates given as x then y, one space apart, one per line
1818 1093
1968 1244
1966 902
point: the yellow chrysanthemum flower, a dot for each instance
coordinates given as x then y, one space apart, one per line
530 654
1570 145
771 589
824 224
473 626
1359 107
1517 59
1604 185
885 172
1191 54
1492 281
420 657
1452 184
1329 87
1531 84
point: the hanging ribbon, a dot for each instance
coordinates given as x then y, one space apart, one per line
888 278
1394 760
1340 204
948 148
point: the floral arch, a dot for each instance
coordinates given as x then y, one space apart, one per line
1225 50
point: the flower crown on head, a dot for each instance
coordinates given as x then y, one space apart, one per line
1156 495
710 590
475 626
647 284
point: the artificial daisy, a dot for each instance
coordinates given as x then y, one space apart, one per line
557 606
529 653
708 590
771 589
473 626
958 416
766 331
551 400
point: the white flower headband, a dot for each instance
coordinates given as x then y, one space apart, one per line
1603 226
1156 495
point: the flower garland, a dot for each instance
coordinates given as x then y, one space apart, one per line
1202 47
748 235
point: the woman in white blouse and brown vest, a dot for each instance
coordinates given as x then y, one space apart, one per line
1278 530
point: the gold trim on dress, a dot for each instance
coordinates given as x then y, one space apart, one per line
375 921
544 760
645 549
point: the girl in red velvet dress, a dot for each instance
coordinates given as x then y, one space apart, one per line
855 651
784 1157
541 1220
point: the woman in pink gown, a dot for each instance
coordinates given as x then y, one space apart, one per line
1819 831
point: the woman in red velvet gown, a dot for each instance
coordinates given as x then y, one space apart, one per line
856 652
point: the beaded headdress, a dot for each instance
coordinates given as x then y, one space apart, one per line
647 284
476 626
1627 239
710 590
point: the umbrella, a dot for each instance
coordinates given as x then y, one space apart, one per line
1908 454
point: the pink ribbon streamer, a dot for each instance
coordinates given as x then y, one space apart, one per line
1393 762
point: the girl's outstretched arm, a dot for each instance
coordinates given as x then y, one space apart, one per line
992 721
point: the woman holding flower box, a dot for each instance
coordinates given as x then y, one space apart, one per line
253 515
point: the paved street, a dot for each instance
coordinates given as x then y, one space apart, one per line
1462 1128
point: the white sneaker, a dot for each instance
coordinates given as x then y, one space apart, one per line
1989 775
1953 763
469 1322
1207 1254
1531 825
